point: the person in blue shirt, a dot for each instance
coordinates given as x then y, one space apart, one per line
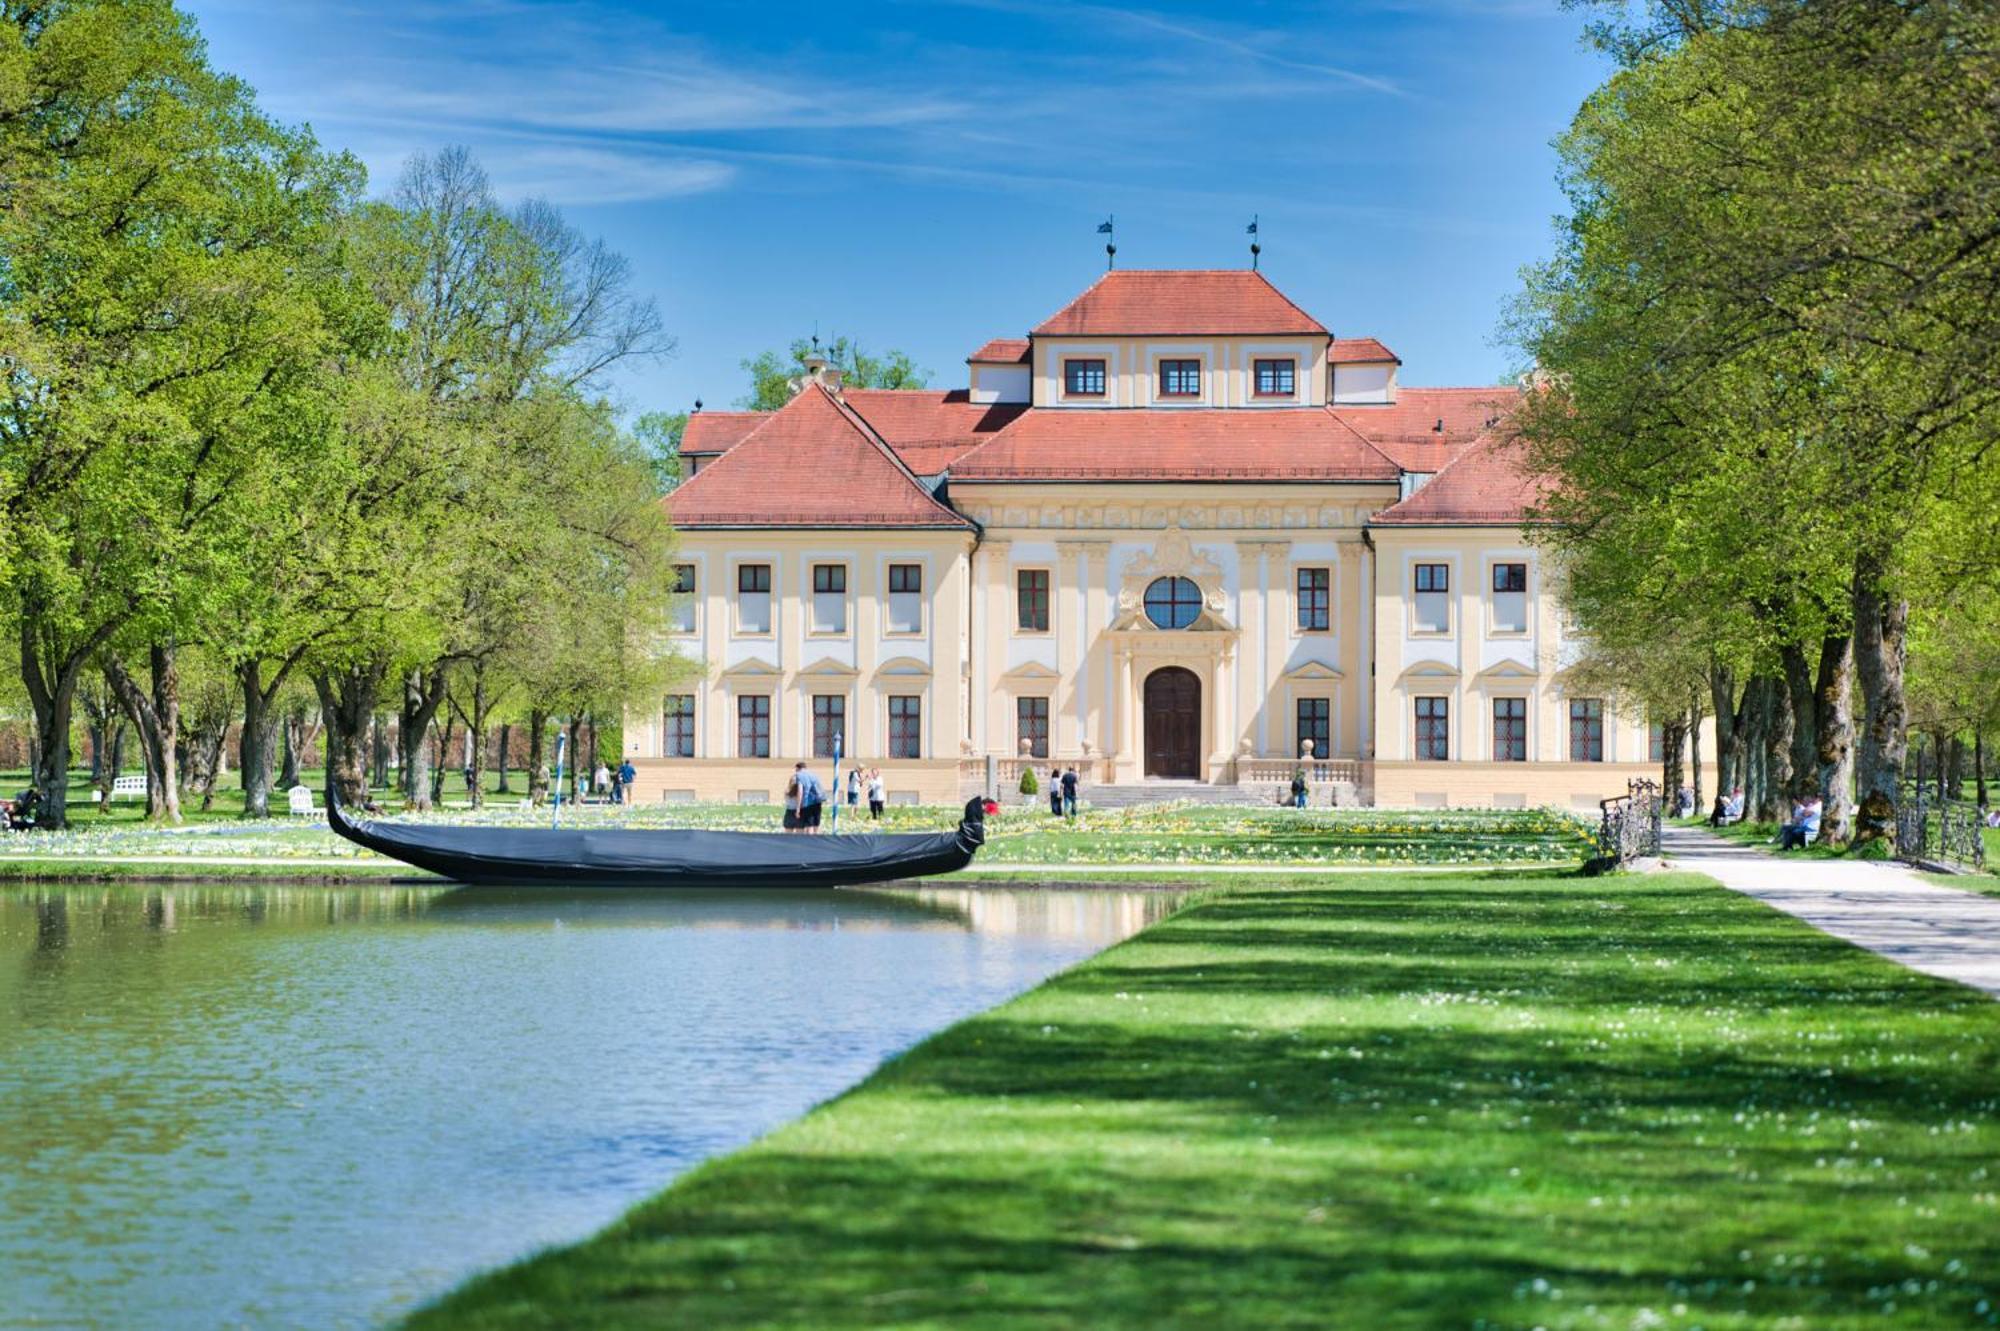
812 798
627 774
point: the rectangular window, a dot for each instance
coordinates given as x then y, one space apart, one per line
1586 730
829 724
1083 378
685 604
1315 723
1276 378
678 732
1315 600
906 598
1656 743
753 726
1433 729
1180 378
1432 598
1510 730
906 727
829 603
753 598
1031 599
1510 598
1031 724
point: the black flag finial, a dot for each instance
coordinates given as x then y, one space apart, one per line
1255 248
1104 228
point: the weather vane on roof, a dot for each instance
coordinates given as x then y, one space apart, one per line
1110 246
1255 248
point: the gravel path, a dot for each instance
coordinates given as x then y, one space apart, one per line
1897 912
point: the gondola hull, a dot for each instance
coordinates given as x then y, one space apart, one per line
620 857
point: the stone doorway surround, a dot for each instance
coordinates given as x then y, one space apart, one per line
1206 648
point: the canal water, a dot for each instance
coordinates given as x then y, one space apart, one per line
266 1106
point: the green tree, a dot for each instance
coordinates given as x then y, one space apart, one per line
161 239
772 375
659 433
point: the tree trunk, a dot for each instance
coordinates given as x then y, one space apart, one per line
1673 735
51 679
378 739
423 693
156 716
111 769
288 768
1694 758
1722 688
253 747
1803 761
1979 766
1833 727
1941 762
575 750
441 737
538 777
506 733
346 700
1881 627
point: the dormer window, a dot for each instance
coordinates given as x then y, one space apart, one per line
1180 378
1276 378
1083 378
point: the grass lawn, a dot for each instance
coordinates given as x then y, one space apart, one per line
1510 1100
1161 834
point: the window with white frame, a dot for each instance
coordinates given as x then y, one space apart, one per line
1276 378
677 732
906 598
829 724
753 598
1510 730
1433 729
1314 722
829 604
1031 726
753 726
906 726
685 604
1586 730
1315 600
1431 598
1510 598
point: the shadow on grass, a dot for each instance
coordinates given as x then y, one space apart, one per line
1364 1106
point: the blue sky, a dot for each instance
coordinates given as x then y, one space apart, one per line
926 176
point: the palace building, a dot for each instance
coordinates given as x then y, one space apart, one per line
1180 535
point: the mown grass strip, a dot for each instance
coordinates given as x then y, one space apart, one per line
1510 1100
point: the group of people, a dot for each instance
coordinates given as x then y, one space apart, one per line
1728 807
1062 791
805 796
1795 833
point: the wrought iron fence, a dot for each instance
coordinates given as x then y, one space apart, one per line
1630 823
1935 831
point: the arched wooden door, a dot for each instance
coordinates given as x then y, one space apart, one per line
1173 723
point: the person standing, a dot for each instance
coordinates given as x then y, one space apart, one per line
812 798
627 774
853 787
1055 792
792 802
878 792
1069 781
1299 788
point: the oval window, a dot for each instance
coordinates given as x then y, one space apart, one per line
1172 603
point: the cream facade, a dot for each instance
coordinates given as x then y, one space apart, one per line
1304 568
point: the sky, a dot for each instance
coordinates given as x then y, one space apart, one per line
925 176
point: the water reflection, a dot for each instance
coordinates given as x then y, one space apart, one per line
329 1104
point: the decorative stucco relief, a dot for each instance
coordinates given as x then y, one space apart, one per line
1140 517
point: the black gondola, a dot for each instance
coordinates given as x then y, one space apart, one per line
624 857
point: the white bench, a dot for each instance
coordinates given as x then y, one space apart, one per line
301 800
135 786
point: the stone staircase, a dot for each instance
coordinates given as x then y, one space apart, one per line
1162 792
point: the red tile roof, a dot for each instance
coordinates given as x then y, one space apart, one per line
1001 351
711 432
1486 485
811 463
1179 302
1054 444
1407 429
930 429
1359 351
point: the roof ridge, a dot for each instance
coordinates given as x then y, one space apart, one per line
1363 439
857 421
